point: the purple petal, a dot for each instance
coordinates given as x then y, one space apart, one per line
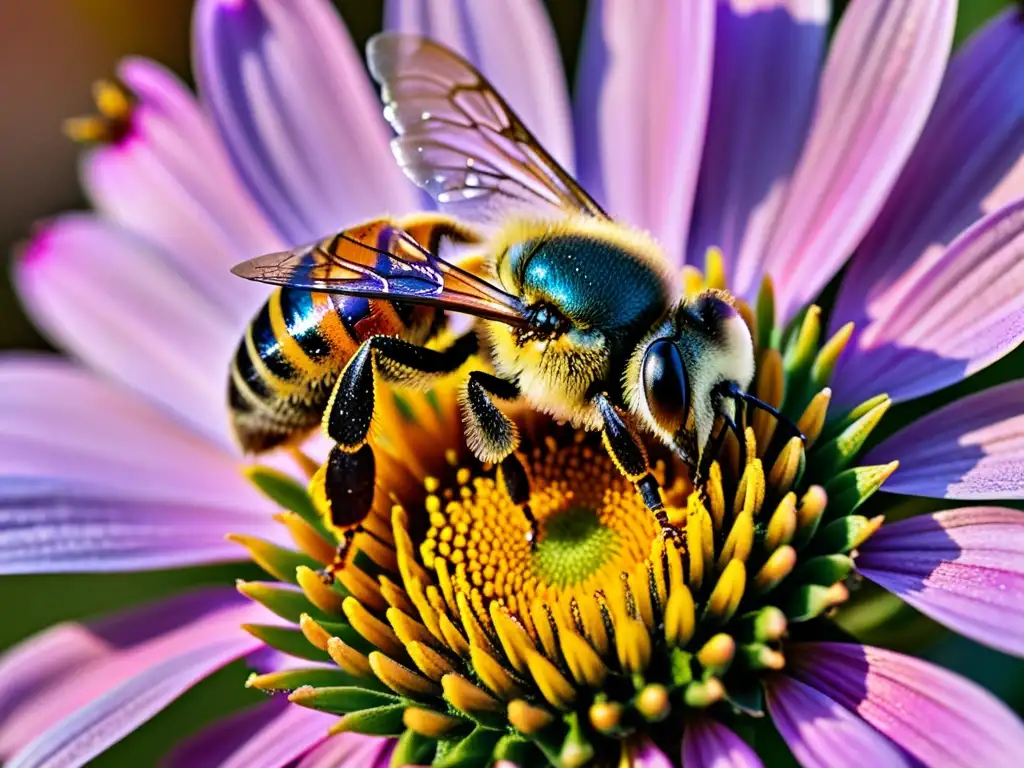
292 100
709 744
350 750
962 567
878 86
187 624
170 180
966 164
936 716
947 317
970 449
821 734
645 754
643 93
51 526
213 745
111 299
90 730
758 120
493 36
292 734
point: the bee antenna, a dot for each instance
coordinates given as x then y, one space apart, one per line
738 394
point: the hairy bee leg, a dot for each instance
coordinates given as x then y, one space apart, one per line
327 574
343 489
630 457
492 436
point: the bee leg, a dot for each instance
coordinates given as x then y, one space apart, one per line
493 437
342 489
629 456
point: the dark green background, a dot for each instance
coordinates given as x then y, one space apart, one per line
44 81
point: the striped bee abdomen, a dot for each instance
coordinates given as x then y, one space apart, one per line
292 353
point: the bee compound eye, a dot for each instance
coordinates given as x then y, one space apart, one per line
665 386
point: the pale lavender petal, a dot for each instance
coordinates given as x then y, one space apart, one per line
822 734
291 98
213 745
878 86
970 449
967 164
757 124
53 414
90 730
170 180
709 744
293 733
645 754
935 715
134 642
643 93
111 299
494 37
51 526
962 567
350 750
948 316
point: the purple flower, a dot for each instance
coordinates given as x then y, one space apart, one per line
724 127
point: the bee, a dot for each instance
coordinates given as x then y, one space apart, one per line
577 314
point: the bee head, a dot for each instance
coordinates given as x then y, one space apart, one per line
681 369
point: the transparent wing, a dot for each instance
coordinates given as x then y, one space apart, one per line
460 141
381 261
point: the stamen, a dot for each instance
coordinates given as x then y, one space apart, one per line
111 125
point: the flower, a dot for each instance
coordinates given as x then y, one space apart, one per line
124 463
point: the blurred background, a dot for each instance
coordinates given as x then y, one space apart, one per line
50 53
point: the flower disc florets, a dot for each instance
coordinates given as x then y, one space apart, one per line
451 631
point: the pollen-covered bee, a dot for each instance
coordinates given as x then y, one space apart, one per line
577 313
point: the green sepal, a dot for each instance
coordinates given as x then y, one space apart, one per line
837 422
288 640
801 349
516 750
344 699
852 487
288 494
287 603
825 570
474 750
843 535
808 602
680 667
279 562
829 457
413 749
348 635
765 314
747 697
379 721
576 750
292 679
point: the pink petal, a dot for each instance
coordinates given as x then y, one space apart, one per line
170 180
709 744
757 124
350 750
962 567
647 755
213 745
112 300
970 449
291 98
935 715
292 734
962 168
820 733
643 93
186 631
950 315
52 413
880 81
493 36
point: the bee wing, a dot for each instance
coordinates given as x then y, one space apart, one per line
460 141
381 261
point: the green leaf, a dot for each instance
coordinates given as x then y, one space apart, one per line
380 721
344 699
287 493
825 570
473 751
413 749
287 603
288 640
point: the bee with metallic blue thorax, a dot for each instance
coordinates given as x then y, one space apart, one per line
577 314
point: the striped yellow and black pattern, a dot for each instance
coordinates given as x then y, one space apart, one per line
293 352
